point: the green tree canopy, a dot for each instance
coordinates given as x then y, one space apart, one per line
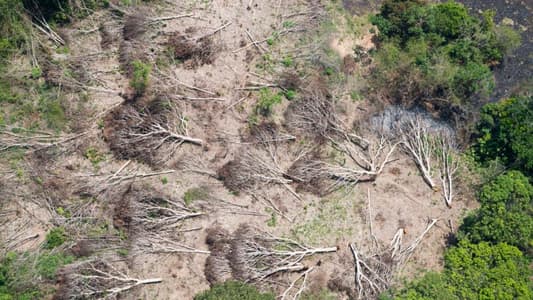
443 39
505 132
475 271
506 213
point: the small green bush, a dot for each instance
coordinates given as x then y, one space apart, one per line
94 156
233 290
52 112
141 76
56 237
267 100
193 194
48 264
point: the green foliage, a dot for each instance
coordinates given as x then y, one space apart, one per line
475 271
11 272
482 271
267 99
505 215
51 111
48 264
193 194
56 237
432 286
21 276
505 133
438 49
141 75
13 29
94 156
232 290
290 94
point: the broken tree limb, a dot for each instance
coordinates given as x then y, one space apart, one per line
302 277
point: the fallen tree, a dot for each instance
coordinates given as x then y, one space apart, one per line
151 134
97 279
255 256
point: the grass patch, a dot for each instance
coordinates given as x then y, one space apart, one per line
194 194
333 220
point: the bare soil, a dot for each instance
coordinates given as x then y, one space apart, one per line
212 76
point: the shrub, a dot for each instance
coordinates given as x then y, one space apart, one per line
13 30
52 112
141 74
232 290
56 237
267 99
194 194
48 264
94 156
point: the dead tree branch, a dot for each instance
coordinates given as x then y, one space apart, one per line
35 141
371 278
448 165
152 135
416 141
303 278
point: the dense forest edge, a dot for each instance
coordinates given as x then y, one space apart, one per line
435 59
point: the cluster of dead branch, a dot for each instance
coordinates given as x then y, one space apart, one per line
313 115
363 157
153 222
373 272
151 134
99 184
171 87
261 163
254 256
97 279
12 138
429 143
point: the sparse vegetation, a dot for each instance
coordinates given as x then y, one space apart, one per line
231 290
141 76
193 194
267 100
